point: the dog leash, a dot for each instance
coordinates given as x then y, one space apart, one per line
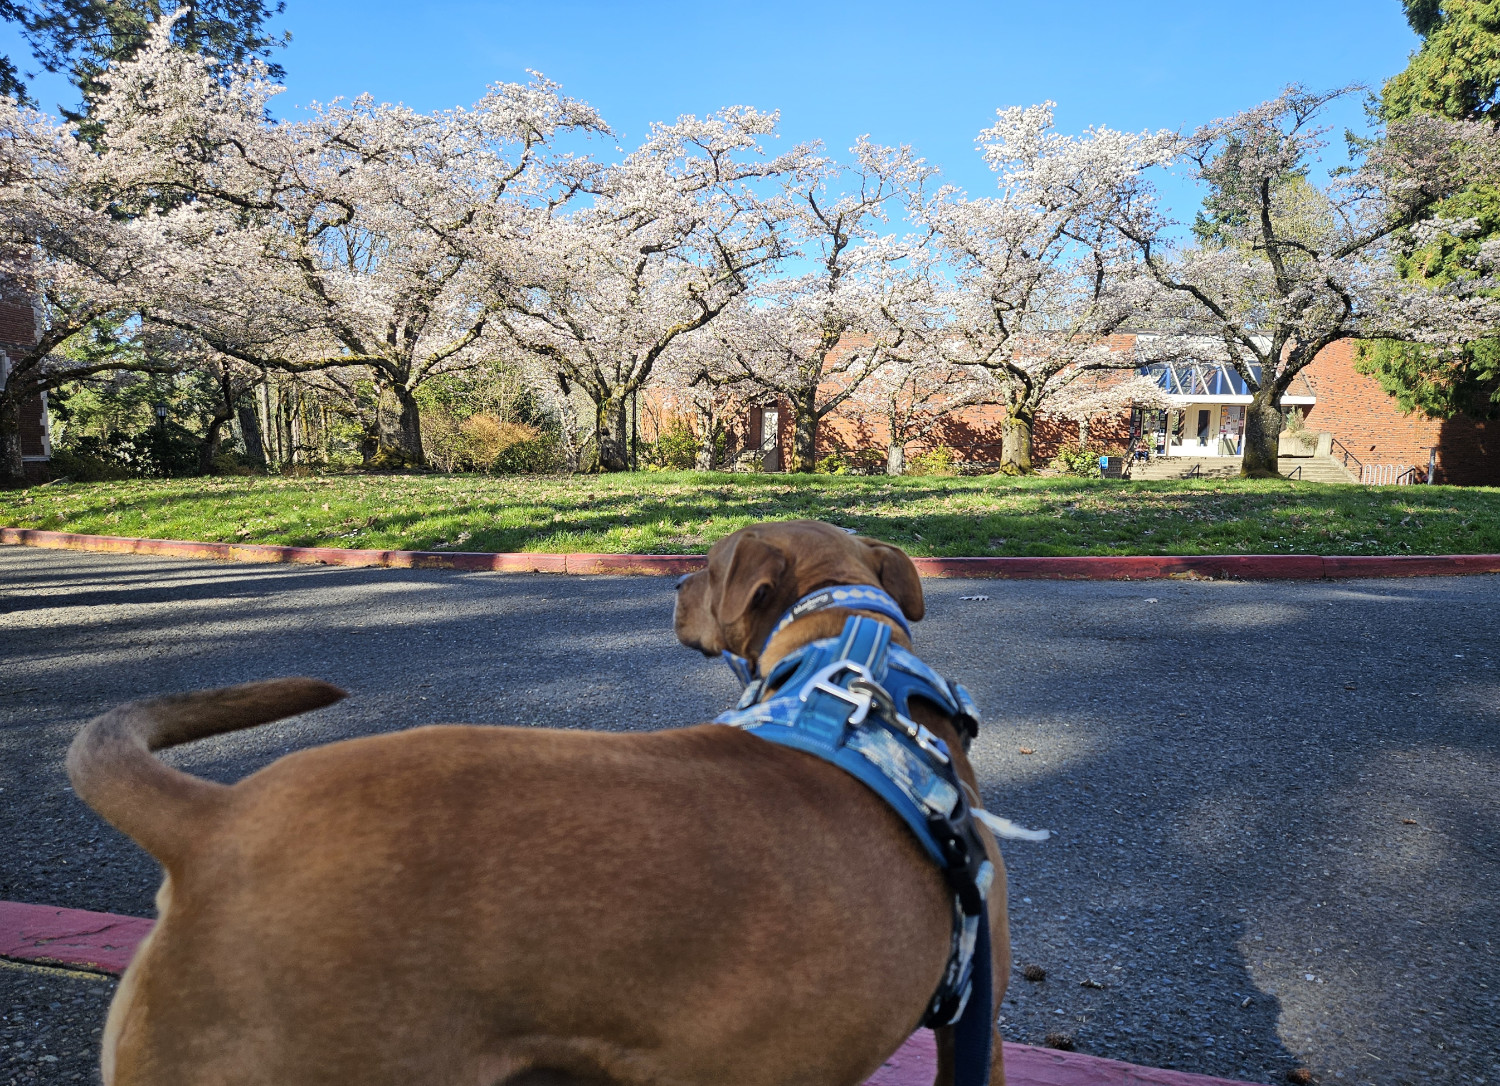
845 700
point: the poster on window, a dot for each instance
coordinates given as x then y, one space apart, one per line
1232 430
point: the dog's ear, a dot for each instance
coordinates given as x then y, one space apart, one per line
754 569
898 576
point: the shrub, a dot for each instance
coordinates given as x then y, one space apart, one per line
1074 459
525 450
675 448
939 460
231 463
852 462
86 467
160 451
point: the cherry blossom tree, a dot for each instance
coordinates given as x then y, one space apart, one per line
814 336
1092 394
1275 284
365 234
80 265
696 372
1040 281
914 394
675 233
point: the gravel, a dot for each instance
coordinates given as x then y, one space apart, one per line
1276 806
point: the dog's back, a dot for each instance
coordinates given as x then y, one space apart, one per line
464 904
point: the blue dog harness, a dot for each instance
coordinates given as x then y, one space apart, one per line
846 700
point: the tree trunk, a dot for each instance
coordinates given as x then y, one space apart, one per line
255 450
895 459
208 448
1083 434
611 426
707 456
1015 442
12 467
1262 434
804 456
410 427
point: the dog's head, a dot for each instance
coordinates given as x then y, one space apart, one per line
758 572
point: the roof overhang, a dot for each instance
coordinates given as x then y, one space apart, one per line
1287 401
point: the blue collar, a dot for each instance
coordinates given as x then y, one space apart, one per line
854 597
844 699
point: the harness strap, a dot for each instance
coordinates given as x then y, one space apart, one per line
856 597
831 701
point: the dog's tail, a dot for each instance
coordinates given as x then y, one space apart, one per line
112 770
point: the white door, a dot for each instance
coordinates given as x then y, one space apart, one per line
770 439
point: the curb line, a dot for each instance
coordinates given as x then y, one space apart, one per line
105 943
1251 567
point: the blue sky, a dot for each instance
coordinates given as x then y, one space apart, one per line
929 74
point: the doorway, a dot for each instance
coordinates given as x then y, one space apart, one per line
770 443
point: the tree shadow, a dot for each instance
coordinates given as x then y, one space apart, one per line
1229 770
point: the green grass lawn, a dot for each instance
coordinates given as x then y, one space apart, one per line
685 512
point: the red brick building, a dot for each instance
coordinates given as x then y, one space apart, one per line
1361 416
18 333
1377 441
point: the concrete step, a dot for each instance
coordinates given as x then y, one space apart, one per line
1313 469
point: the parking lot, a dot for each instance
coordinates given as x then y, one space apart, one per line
1276 806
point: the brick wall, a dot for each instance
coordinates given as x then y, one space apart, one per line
18 330
17 322
1355 409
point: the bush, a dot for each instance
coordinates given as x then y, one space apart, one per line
525 450
852 462
85 467
675 448
161 451
935 461
1073 459
230 462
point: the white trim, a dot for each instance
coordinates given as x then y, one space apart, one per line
1188 401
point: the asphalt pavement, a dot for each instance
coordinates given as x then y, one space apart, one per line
1276 805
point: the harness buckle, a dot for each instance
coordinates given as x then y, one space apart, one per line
859 698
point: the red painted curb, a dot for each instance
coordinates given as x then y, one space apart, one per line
72 937
915 1064
1250 567
106 942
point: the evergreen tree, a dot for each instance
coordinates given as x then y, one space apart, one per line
81 38
1455 74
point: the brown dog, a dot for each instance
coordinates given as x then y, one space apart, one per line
487 906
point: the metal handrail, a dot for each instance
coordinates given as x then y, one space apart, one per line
1295 473
1339 449
1407 477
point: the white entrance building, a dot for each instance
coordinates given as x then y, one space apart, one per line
1206 416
